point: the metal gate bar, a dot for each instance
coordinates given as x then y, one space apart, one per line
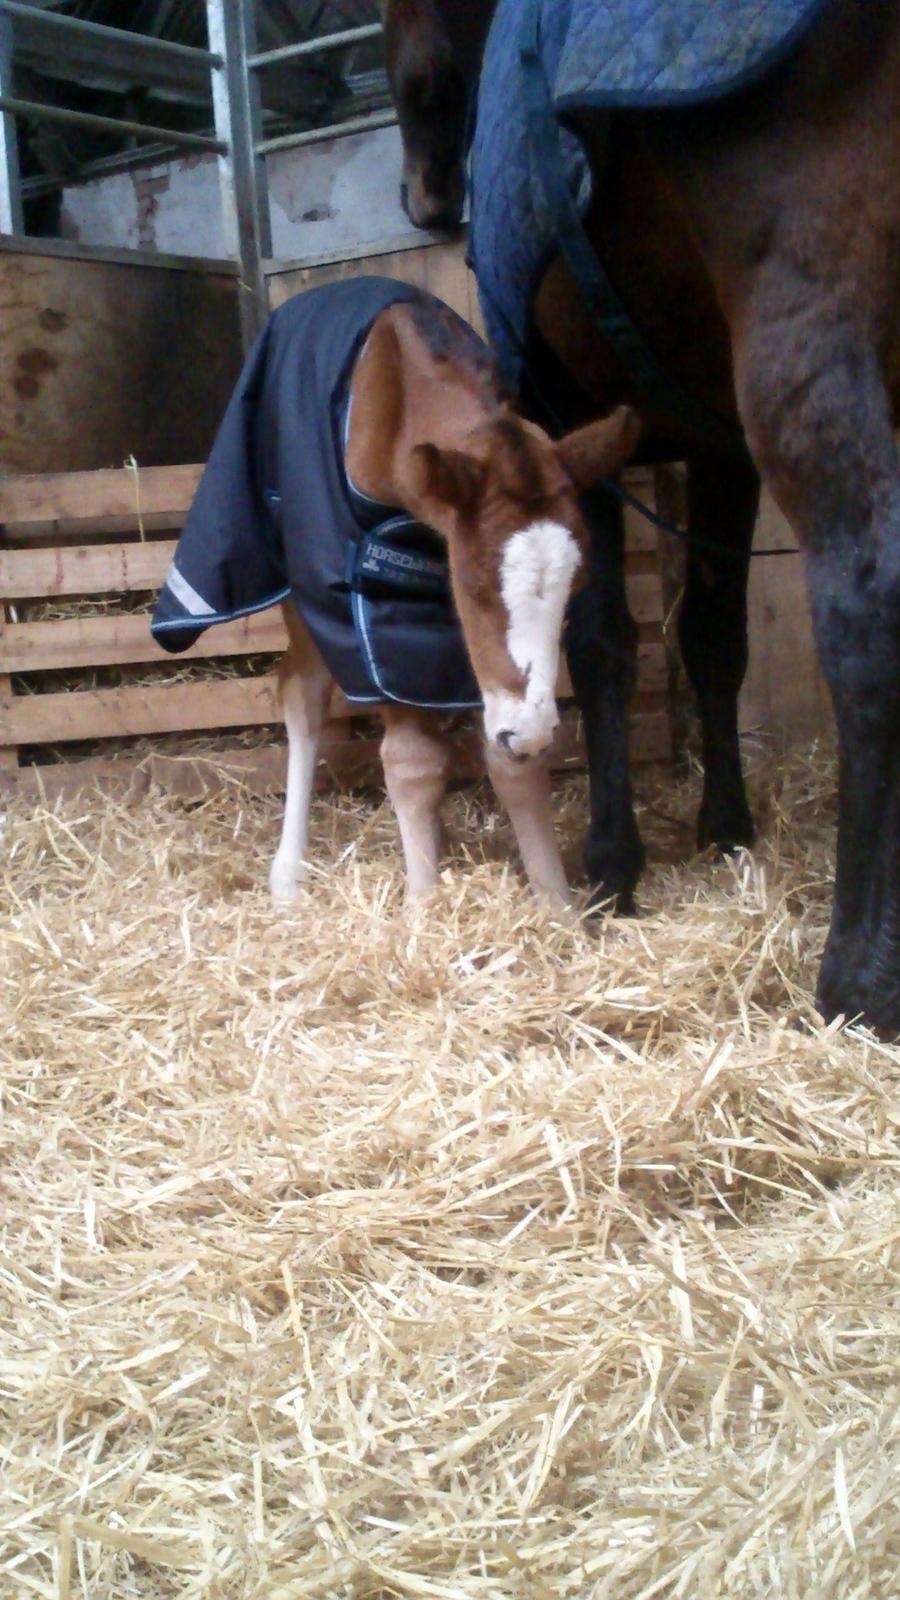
232 64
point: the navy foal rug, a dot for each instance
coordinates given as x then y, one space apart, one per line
530 179
276 517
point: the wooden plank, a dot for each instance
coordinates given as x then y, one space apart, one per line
352 255
784 695
177 707
652 671
118 568
342 760
137 709
83 497
125 640
166 708
96 530
644 596
84 389
9 759
448 277
261 770
71 250
122 640
640 534
650 737
772 531
84 569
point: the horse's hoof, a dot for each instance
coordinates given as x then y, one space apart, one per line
859 992
613 876
730 830
617 902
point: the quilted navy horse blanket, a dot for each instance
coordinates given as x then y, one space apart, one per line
276 517
592 53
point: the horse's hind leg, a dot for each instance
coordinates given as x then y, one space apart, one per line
305 684
818 418
723 496
601 649
416 759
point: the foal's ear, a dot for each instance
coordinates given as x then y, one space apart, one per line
450 476
601 448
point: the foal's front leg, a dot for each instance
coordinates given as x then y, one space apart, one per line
305 684
523 789
416 760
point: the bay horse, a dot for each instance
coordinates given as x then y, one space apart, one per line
756 240
431 431
433 51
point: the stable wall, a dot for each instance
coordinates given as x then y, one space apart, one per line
323 197
103 356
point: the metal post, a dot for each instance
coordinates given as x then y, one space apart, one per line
11 220
89 119
317 46
334 130
242 174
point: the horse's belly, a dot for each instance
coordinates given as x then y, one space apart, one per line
644 240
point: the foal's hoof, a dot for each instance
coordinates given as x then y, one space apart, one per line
285 881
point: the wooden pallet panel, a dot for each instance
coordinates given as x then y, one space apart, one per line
69 643
344 761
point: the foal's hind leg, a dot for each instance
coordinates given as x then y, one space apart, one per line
523 789
723 497
601 649
416 760
305 684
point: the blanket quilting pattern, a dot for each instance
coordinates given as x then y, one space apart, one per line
594 53
652 52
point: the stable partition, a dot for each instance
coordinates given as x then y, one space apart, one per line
107 354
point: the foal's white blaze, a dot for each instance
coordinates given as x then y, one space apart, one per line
536 574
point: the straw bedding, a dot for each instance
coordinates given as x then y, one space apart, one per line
354 1253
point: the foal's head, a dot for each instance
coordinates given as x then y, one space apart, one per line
432 53
508 505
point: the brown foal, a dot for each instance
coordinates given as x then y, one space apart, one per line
432 432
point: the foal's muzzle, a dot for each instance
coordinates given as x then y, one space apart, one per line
520 730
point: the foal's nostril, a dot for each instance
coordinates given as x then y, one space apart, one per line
505 739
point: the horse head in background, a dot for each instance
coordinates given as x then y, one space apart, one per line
432 53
